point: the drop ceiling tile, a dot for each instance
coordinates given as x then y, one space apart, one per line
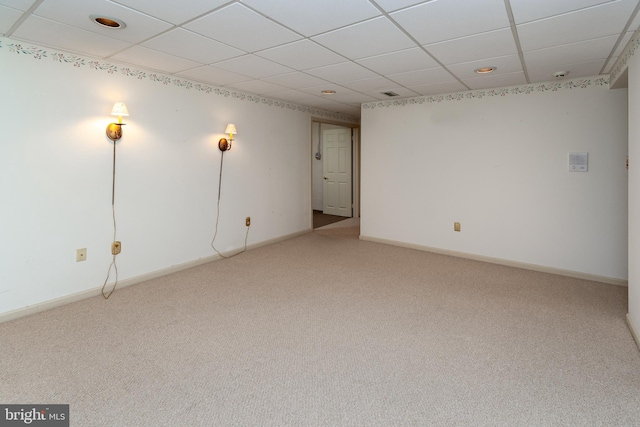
369 38
422 77
302 55
341 72
503 64
8 17
328 104
317 90
352 98
369 85
139 26
315 17
22 5
635 23
527 10
570 53
214 76
253 66
586 24
401 91
340 90
192 46
296 80
323 101
440 88
61 36
257 86
242 28
273 31
153 59
391 5
436 21
400 61
294 96
583 69
176 12
498 80
493 44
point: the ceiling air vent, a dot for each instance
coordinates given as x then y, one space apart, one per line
390 93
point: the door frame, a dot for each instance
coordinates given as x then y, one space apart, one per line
355 163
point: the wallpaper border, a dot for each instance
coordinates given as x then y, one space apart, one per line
486 93
628 53
78 61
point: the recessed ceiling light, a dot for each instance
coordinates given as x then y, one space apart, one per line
328 92
108 22
485 70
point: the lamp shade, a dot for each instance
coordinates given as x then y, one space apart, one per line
119 109
231 129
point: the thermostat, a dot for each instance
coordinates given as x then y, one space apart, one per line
578 162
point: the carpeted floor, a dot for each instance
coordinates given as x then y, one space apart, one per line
328 330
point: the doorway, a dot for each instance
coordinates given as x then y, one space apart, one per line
335 172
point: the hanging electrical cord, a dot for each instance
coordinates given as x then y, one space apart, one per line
218 217
113 212
319 153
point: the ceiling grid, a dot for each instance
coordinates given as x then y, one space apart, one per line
293 50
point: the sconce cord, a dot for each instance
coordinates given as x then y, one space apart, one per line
319 153
113 213
218 218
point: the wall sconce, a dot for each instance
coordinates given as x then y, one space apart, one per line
114 130
223 144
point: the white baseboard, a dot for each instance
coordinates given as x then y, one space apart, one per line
634 330
533 267
89 293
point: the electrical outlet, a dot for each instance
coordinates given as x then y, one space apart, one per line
247 221
456 226
116 248
81 254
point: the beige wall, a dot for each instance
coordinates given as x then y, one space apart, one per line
496 161
634 191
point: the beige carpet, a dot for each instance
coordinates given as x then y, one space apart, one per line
323 330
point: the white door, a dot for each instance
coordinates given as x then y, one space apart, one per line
336 164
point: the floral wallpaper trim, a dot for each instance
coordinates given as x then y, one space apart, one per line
80 62
628 53
485 93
